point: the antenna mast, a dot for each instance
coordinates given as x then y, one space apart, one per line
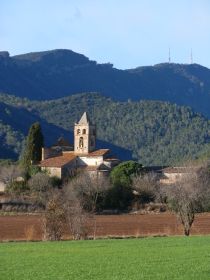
191 57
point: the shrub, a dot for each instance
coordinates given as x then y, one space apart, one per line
118 197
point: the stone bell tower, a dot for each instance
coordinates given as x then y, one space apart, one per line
84 135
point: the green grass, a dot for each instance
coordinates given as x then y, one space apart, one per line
149 258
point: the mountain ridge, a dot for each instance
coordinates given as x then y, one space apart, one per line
58 73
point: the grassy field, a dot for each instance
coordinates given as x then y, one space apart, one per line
149 258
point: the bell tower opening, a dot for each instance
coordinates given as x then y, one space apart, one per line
81 142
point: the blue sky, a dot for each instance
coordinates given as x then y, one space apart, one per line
127 33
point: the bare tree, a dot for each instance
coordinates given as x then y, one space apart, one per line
76 216
54 216
147 187
12 178
73 205
10 173
39 186
189 194
87 189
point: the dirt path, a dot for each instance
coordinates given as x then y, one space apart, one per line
24 227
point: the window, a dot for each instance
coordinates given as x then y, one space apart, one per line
81 142
84 131
78 131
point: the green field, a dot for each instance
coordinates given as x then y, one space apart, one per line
148 258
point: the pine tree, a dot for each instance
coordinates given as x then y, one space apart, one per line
34 144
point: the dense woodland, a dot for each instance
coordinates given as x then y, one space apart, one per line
156 133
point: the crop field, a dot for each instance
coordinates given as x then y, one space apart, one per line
29 227
125 259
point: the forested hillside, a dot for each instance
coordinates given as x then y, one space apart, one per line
11 142
58 73
14 125
157 133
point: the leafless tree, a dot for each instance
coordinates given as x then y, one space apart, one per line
87 189
147 187
189 195
39 186
54 216
76 216
74 205
12 178
10 173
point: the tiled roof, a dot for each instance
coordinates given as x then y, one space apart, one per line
180 169
66 157
96 153
101 167
58 161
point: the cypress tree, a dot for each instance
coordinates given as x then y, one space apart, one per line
34 144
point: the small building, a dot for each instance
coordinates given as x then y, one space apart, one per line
171 175
63 160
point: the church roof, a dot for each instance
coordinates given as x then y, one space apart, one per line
67 157
58 161
84 119
101 167
95 153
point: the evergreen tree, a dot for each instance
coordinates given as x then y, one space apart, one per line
122 174
121 194
34 144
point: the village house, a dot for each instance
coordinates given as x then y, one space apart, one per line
63 160
171 175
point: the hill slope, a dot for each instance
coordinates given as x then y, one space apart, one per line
58 73
14 125
157 133
16 117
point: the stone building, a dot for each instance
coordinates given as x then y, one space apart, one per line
171 175
62 160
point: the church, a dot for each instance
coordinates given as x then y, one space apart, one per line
62 160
